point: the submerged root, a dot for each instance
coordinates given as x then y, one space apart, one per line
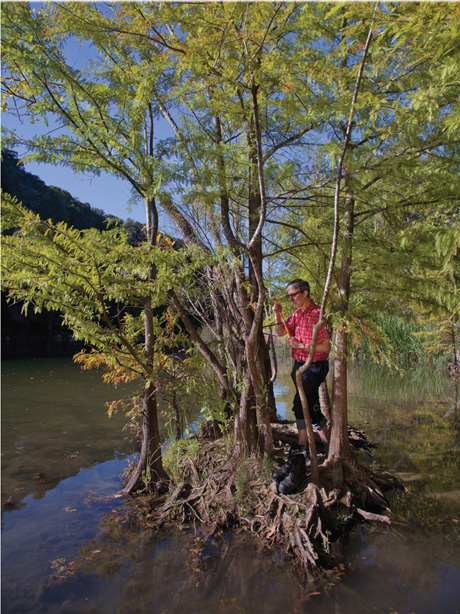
303 525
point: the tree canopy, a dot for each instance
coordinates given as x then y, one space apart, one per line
298 132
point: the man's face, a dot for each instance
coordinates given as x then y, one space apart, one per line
298 298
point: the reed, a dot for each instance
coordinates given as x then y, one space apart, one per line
405 341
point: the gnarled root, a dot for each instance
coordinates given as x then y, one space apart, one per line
305 525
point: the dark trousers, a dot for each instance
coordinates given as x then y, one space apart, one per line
312 379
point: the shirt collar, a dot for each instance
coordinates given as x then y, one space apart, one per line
311 305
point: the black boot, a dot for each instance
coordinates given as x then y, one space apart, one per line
283 471
296 475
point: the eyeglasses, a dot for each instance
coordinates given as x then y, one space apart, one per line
289 296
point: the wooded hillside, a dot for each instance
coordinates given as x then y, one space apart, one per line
42 334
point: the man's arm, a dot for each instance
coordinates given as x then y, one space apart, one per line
321 348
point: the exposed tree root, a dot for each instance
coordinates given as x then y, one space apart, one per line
304 525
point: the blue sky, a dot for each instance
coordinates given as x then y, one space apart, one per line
104 192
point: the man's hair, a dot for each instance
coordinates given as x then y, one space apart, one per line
300 285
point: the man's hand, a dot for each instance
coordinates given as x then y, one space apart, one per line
280 325
277 309
298 345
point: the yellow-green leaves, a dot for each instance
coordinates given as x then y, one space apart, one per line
95 279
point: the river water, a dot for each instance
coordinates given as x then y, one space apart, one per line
62 461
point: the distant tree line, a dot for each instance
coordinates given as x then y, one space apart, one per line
41 334
56 204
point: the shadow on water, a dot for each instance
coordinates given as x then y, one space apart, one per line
71 543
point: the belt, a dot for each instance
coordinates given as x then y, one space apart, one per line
315 362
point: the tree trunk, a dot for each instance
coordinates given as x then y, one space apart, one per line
325 401
256 369
240 424
150 463
339 447
265 367
455 368
178 416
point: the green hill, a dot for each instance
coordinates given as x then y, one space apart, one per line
42 334
48 201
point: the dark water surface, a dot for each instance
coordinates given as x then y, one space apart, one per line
62 461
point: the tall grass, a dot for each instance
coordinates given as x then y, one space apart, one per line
393 340
404 341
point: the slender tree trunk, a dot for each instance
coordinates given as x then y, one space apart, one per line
455 373
325 401
178 417
339 447
150 455
265 435
241 423
257 377
256 349
257 214
305 409
149 463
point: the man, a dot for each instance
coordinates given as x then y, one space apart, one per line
300 327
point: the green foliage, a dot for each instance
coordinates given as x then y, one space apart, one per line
186 384
434 441
401 172
400 339
177 455
246 470
98 281
257 96
303 59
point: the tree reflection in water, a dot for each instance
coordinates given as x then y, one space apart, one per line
177 571
122 568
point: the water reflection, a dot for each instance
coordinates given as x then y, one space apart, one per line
192 573
398 572
54 424
128 571
409 417
52 528
73 547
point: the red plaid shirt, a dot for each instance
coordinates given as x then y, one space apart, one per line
300 326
